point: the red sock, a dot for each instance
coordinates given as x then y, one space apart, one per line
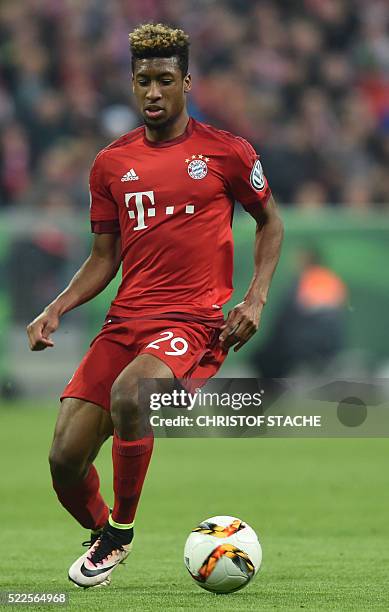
83 500
130 463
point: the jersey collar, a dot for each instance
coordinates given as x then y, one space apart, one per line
173 141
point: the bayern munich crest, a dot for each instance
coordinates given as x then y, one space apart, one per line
197 166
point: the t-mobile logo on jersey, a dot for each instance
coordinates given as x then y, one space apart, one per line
143 199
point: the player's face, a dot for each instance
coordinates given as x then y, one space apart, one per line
160 90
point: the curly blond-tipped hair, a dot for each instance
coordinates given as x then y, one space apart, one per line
159 40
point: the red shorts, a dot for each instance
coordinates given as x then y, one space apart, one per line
190 349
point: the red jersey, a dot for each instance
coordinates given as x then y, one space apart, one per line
172 203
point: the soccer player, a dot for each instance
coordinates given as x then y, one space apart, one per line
162 201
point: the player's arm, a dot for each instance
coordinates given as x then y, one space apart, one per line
243 320
93 276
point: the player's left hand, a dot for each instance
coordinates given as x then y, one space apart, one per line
242 323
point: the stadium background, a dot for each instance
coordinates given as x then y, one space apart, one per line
308 84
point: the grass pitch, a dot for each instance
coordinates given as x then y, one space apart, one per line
320 508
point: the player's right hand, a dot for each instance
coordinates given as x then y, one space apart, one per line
40 329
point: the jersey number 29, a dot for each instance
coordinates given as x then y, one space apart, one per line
179 346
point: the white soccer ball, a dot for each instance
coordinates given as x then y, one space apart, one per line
222 554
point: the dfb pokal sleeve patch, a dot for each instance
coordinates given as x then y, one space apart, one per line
257 179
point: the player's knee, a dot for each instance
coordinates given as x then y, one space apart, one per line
124 401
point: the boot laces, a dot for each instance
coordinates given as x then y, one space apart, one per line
105 546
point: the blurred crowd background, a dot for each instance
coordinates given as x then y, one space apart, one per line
306 82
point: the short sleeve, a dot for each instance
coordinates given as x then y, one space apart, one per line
246 180
103 209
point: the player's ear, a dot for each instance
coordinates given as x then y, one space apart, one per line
187 83
132 82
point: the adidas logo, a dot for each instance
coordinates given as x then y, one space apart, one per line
131 175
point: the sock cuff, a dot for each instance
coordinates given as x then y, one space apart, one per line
82 488
92 478
119 525
132 448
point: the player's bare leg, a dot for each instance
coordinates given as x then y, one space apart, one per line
131 453
81 429
130 419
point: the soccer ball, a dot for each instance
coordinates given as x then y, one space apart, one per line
222 554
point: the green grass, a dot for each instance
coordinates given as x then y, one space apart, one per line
320 508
